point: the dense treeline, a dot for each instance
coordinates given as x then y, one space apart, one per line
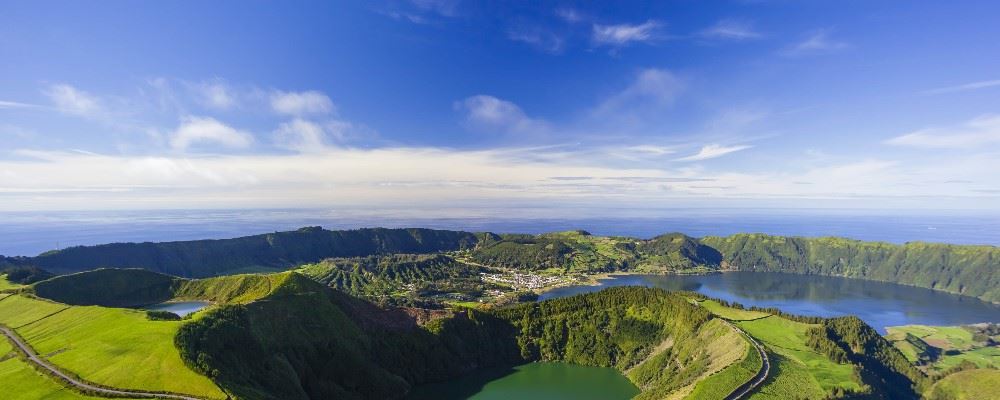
201 258
525 252
883 369
968 270
109 287
384 279
24 275
678 251
306 342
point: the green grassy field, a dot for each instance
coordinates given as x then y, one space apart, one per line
8 285
732 314
789 380
719 385
110 346
944 337
788 339
947 338
977 384
20 382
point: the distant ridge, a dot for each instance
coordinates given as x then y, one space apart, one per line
279 250
971 270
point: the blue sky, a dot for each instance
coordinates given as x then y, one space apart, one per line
442 104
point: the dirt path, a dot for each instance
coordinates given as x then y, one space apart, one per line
34 358
745 389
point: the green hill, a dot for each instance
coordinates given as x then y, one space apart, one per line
968 270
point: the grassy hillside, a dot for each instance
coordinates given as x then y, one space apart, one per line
394 279
968 270
203 258
974 384
941 348
109 346
109 287
7 285
21 382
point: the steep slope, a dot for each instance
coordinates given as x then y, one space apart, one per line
968 270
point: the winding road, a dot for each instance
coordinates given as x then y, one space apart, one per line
744 390
34 358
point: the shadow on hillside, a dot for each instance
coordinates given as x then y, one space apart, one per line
460 388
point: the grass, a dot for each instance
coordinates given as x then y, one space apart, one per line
8 285
732 314
21 382
949 338
967 385
231 288
788 339
109 346
719 385
789 380
466 304
943 337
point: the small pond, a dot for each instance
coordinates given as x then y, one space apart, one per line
180 308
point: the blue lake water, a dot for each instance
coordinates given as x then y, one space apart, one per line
877 303
180 308
29 233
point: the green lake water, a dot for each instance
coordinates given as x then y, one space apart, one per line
535 381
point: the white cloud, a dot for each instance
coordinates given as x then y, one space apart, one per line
420 178
205 130
538 38
817 42
445 8
301 135
14 104
980 131
965 87
731 29
623 34
570 15
71 100
301 103
651 89
713 151
491 113
216 94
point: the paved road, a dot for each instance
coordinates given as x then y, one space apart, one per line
747 388
83 386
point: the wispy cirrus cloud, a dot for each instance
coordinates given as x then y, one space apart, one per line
624 34
816 42
215 94
195 131
301 103
651 89
484 112
964 87
70 100
711 151
539 38
731 29
15 104
983 130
